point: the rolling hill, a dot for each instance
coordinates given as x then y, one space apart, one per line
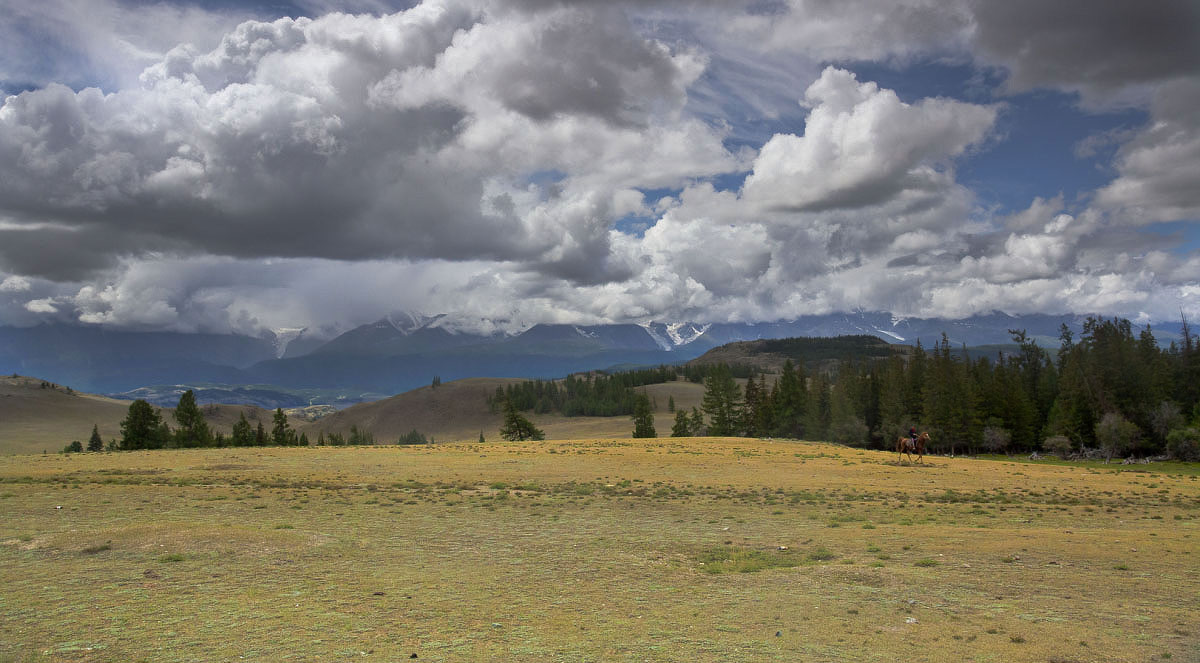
36 418
459 410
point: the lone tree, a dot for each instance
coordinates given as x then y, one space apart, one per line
143 428
643 417
282 433
94 442
193 431
517 427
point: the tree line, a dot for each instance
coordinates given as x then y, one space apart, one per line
598 394
1110 392
144 427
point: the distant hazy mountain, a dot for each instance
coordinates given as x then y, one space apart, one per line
406 350
96 360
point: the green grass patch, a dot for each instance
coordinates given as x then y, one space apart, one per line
739 559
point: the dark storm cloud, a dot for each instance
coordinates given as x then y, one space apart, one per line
1096 46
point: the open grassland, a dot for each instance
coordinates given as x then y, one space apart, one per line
594 550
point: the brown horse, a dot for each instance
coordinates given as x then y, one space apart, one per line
906 445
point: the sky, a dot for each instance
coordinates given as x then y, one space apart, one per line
219 166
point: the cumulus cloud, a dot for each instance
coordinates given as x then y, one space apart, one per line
1156 179
475 158
861 146
15 283
357 137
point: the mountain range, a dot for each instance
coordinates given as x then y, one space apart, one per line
405 350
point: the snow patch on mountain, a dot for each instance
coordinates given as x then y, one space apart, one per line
662 341
587 334
407 322
283 336
683 333
889 334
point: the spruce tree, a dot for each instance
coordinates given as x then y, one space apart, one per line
789 401
94 442
643 417
142 428
193 431
721 402
696 423
243 433
682 427
282 433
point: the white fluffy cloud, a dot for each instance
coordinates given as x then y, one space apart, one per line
862 146
417 134
479 157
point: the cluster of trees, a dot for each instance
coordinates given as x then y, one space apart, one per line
1109 390
600 394
145 428
588 395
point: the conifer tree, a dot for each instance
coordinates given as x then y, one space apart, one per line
281 432
517 427
682 427
643 417
696 423
243 433
143 428
789 397
94 442
193 431
722 402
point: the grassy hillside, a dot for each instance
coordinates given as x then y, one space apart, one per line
458 411
696 550
34 418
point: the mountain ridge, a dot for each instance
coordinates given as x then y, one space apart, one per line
402 351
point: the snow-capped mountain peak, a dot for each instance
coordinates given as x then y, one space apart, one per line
407 322
682 333
662 341
672 335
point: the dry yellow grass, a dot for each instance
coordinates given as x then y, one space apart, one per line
593 550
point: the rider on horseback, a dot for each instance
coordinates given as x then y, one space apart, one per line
912 435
